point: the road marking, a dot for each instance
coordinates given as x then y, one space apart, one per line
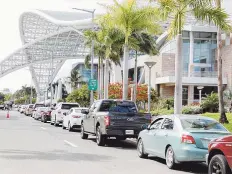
69 143
43 128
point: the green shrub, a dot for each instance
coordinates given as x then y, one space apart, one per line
210 103
162 111
192 110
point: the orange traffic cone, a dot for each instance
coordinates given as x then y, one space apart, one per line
8 114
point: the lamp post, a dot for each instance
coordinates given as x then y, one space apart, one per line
200 89
92 48
149 65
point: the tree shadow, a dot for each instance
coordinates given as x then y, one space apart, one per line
51 155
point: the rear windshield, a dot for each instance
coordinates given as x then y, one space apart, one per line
69 106
39 105
43 109
201 124
30 106
118 106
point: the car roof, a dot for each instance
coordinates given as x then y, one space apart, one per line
79 108
185 116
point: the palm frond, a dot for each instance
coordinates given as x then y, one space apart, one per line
87 60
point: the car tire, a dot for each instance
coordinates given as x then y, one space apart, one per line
70 129
218 164
63 126
83 134
100 139
140 149
170 158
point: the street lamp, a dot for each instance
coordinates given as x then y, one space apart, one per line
200 89
92 47
149 65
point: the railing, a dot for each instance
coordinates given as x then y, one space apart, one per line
209 74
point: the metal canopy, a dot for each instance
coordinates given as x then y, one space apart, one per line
47 36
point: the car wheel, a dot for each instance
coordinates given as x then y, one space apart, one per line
170 158
100 139
218 164
83 134
63 126
70 127
140 149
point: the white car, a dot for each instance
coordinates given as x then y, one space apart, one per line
73 119
22 109
60 110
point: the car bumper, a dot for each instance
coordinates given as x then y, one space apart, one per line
191 153
122 133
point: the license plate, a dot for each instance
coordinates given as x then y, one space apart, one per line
130 132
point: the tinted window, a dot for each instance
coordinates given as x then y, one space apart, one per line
118 106
201 124
156 124
69 106
39 105
168 124
30 106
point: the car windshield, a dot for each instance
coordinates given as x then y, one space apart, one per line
201 124
39 105
69 106
118 106
42 109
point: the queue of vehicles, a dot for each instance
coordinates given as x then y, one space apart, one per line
175 138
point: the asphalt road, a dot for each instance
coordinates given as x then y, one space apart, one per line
31 147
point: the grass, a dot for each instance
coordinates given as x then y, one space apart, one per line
216 117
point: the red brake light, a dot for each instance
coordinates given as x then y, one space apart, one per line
74 116
107 120
188 139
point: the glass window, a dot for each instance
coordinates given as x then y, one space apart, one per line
201 124
168 124
185 34
69 106
156 124
118 106
205 35
196 35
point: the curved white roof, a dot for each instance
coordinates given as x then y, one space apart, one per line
47 36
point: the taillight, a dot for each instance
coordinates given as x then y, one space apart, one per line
188 139
74 116
107 120
59 112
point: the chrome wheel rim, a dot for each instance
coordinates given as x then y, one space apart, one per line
216 168
169 157
140 147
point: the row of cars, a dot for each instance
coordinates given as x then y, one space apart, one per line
175 138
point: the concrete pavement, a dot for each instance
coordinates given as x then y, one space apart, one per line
31 147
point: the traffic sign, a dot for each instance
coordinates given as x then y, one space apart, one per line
92 85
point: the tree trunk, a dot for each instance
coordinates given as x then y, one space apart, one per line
135 77
106 79
101 79
178 76
125 72
223 118
98 78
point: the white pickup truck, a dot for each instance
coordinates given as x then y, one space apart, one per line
60 111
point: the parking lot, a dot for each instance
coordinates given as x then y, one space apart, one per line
31 147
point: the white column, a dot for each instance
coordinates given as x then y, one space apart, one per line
55 95
227 40
59 90
191 54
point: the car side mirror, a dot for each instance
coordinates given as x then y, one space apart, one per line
85 111
145 126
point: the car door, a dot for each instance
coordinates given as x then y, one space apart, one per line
93 118
87 121
151 140
66 118
163 136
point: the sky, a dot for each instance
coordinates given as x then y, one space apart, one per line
9 31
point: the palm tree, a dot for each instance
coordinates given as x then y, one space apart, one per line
74 78
177 11
107 47
127 18
145 44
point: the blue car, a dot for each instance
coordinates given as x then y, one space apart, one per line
179 138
